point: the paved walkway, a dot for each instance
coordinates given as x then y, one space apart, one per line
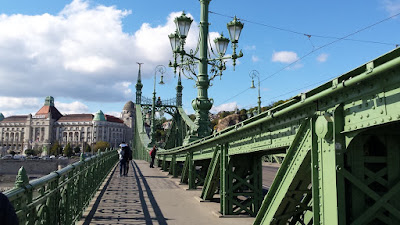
150 196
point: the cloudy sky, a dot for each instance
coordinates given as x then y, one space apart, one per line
85 53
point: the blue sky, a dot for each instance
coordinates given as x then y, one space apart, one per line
84 53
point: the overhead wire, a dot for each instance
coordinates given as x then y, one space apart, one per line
292 91
305 33
314 50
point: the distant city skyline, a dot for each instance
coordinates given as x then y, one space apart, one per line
84 53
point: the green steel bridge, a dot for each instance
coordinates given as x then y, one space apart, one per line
340 144
341 150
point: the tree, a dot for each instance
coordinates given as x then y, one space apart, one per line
224 114
242 114
29 152
88 149
102 145
68 150
55 149
77 149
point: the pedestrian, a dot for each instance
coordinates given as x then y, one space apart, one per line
122 160
153 153
127 156
7 212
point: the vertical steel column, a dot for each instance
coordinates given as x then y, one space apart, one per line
257 182
340 149
225 180
174 166
325 205
314 174
192 172
164 163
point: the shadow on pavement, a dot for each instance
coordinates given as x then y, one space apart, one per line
159 215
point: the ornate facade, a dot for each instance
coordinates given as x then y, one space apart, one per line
48 125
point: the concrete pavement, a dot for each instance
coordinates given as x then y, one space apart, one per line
150 196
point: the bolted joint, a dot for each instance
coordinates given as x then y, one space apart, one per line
324 127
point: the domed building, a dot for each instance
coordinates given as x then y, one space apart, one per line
48 125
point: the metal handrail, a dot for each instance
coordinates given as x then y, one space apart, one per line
61 196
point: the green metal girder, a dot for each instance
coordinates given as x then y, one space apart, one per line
212 179
372 174
185 170
240 183
275 128
363 99
295 159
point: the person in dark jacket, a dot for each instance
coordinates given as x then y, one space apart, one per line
7 212
128 157
125 156
153 153
122 160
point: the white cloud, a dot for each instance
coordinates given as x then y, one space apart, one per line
391 6
80 53
72 108
230 106
255 58
322 57
10 105
284 57
249 47
16 103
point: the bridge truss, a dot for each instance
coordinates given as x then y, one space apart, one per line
341 143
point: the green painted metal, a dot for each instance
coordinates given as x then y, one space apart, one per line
62 196
185 170
202 104
340 147
164 163
191 171
211 182
240 183
174 167
371 172
274 158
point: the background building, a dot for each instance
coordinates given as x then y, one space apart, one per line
48 125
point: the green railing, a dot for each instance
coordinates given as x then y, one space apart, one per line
61 196
142 141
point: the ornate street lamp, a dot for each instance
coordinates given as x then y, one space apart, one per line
255 74
187 62
160 69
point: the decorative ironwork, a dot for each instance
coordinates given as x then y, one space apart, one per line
159 102
61 196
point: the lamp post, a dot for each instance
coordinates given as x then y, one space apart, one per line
160 69
188 61
255 74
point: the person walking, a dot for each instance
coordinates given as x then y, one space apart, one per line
153 153
122 160
127 156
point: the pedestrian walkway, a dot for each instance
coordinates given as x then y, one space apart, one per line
150 196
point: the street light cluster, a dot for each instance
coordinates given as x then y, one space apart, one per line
178 40
187 62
